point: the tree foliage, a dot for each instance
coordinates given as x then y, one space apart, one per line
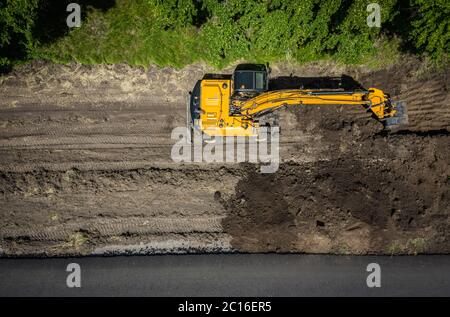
177 32
431 27
16 25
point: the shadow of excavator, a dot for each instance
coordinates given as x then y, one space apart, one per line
343 82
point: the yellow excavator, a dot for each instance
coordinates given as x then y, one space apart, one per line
241 103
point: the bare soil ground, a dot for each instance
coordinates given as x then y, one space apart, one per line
85 168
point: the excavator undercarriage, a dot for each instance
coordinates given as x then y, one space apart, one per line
239 104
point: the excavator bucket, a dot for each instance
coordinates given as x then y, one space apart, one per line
400 117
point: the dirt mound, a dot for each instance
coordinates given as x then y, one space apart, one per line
259 218
349 186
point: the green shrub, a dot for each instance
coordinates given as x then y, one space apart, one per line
16 26
431 28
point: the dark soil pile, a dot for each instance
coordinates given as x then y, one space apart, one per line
371 192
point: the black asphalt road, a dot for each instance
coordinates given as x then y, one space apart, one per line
227 275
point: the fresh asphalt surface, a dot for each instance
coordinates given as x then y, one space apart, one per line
227 275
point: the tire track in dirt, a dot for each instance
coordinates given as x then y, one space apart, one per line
115 227
91 141
48 128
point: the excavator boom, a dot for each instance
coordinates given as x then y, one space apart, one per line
275 99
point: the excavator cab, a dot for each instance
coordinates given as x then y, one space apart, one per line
250 78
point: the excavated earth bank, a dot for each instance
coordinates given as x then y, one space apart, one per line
85 168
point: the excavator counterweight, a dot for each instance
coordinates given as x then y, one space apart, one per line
233 105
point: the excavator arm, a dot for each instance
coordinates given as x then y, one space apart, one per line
373 99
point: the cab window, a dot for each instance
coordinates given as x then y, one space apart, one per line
244 80
260 81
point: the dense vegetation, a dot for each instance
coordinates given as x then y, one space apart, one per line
179 32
